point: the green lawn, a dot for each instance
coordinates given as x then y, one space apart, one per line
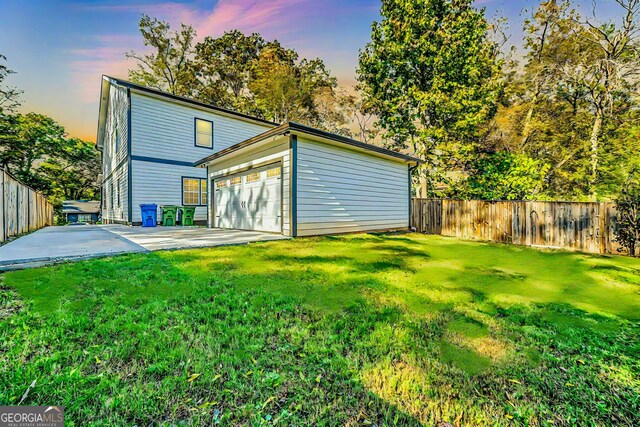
398 329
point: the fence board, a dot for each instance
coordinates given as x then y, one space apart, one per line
22 209
587 227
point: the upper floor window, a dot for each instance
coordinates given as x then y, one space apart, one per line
203 133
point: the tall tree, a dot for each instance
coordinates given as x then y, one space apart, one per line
34 138
224 67
237 71
541 38
169 65
72 174
36 150
285 89
432 74
358 114
9 96
613 67
564 110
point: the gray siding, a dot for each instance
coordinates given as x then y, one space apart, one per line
162 184
340 190
114 162
164 129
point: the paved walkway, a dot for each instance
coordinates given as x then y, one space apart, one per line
56 244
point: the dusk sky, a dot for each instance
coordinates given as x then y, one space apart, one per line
60 49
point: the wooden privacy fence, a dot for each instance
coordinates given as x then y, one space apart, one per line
22 209
587 227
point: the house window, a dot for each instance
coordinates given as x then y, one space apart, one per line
235 180
203 191
111 196
273 172
194 191
117 138
253 177
204 133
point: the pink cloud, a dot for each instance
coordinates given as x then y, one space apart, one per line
87 65
280 19
106 56
251 16
224 15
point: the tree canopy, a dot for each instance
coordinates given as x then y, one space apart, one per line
37 150
243 72
560 120
566 112
431 74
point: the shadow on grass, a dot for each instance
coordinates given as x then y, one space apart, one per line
386 329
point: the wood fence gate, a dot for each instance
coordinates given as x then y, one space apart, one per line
587 227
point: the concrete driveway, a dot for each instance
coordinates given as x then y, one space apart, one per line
56 244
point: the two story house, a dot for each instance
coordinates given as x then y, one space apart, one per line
240 171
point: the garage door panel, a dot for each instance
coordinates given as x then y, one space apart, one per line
252 202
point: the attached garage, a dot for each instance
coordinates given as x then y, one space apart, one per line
301 181
249 200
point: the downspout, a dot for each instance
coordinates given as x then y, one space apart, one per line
293 179
129 163
410 169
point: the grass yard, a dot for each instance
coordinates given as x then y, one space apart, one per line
400 329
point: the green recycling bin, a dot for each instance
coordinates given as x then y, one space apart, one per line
186 214
169 215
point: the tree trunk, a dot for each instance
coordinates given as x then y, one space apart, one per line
526 129
422 189
595 133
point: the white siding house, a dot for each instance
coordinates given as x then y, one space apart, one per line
157 147
115 166
341 190
242 172
328 184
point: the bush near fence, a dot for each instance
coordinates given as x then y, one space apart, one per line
587 227
23 209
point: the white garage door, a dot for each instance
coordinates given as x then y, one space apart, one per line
250 200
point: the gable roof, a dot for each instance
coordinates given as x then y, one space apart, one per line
81 206
293 127
107 81
276 130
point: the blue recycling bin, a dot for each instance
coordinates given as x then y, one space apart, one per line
149 214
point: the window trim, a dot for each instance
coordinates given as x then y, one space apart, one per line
182 178
195 133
